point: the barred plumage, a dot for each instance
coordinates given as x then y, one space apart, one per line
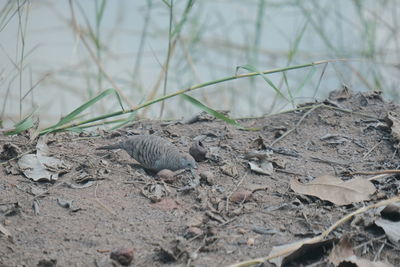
154 153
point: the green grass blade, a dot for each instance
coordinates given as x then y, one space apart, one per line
167 3
213 112
183 91
73 115
253 69
21 126
131 117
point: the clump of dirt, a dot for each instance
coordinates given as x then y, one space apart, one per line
104 209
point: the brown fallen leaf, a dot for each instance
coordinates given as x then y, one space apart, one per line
389 223
41 166
335 190
278 253
359 262
343 253
265 167
298 249
342 250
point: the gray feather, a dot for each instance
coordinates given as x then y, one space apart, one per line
154 153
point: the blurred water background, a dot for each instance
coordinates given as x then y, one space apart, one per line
55 55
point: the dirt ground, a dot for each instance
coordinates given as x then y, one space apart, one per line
221 214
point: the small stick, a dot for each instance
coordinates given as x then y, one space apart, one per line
297 124
377 172
372 149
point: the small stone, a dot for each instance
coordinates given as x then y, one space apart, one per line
251 241
241 231
208 177
123 256
241 196
47 263
194 256
166 175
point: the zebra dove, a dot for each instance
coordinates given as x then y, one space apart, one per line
154 153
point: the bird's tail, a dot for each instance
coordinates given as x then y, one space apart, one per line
110 147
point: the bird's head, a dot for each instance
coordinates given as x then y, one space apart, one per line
188 162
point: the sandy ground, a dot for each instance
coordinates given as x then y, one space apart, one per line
221 214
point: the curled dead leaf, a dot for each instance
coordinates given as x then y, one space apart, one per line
265 167
288 253
343 254
335 190
390 223
41 166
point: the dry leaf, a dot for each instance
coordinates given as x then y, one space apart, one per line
298 249
391 228
264 168
40 166
5 231
335 190
359 262
343 252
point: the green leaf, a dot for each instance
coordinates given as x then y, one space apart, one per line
75 129
215 113
253 69
21 126
73 115
167 3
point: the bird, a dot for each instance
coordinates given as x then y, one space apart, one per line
154 153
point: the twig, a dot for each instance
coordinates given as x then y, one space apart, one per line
372 149
377 172
101 203
316 159
378 254
297 124
376 177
